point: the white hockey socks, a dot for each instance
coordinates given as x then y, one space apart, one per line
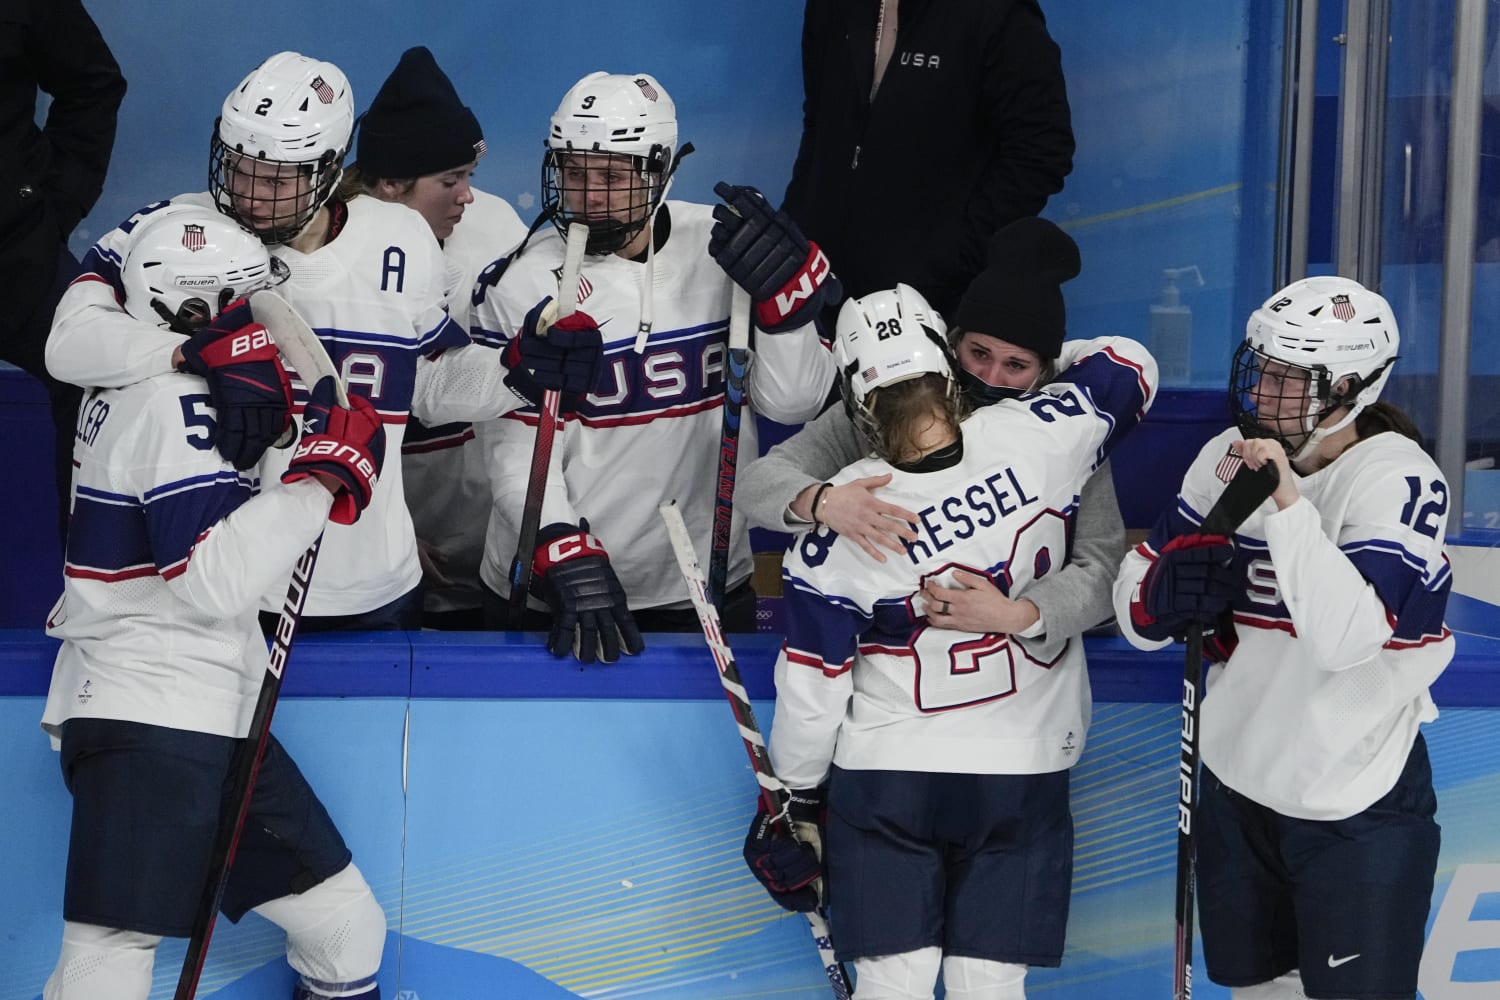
981 979
101 963
335 933
909 975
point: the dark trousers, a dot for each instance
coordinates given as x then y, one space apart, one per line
737 614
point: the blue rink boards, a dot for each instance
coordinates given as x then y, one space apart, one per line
588 846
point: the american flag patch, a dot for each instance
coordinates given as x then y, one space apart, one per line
1342 308
321 88
480 149
647 91
869 373
585 288
192 237
1228 466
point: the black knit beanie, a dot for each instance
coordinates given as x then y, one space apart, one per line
417 125
1018 296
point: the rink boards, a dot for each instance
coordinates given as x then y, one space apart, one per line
538 831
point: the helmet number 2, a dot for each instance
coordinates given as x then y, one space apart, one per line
887 328
263 107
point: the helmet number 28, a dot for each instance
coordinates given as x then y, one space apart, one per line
887 328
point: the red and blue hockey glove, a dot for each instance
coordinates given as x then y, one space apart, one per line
1192 580
247 386
346 445
765 253
566 356
790 867
590 617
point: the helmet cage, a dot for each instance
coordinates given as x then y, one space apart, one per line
571 180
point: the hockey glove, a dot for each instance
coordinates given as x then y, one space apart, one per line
566 356
765 253
790 867
247 386
1192 580
345 444
590 618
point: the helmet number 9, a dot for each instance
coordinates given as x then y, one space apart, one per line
587 102
887 328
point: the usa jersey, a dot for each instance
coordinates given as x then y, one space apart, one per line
169 549
1339 624
864 682
375 294
650 431
445 466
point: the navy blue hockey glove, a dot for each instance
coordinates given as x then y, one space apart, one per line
790 867
566 356
590 618
1192 580
765 253
249 390
347 445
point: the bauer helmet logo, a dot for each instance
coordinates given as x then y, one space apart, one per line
647 91
192 237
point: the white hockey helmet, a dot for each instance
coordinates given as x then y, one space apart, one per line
294 112
884 338
1336 340
184 263
626 114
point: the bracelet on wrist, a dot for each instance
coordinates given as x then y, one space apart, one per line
816 501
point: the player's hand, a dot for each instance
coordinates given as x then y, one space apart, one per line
765 253
1193 580
790 866
1257 452
565 355
854 511
343 448
247 385
433 564
974 604
590 617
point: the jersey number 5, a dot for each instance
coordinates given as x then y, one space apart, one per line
200 426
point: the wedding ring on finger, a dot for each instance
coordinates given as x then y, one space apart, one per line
943 608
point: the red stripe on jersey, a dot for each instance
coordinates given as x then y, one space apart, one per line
529 418
1262 622
108 576
1426 640
816 662
437 444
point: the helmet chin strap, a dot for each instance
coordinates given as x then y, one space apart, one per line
643 331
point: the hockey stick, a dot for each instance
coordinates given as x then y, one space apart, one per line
772 792
729 441
1242 497
546 427
299 345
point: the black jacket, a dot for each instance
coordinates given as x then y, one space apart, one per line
50 177
970 130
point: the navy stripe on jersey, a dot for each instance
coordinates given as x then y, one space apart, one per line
107 538
421 439
821 631
382 369
179 513
447 334
1117 388
1414 604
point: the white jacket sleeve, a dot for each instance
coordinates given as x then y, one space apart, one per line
95 343
790 375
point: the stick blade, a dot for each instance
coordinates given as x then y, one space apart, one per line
295 340
1242 497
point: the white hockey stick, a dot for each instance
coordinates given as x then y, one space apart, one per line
300 346
775 794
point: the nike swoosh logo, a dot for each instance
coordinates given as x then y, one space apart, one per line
1334 963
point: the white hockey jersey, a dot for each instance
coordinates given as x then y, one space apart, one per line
444 465
862 680
650 431
376 296
1340 626
169 550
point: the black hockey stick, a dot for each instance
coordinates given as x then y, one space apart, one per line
729 441
547 421
1242 497
299 345
772 792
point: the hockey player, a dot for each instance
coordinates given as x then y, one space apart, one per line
367 275
650 427
418 144
162 659
944 753
1019 296
1316 843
